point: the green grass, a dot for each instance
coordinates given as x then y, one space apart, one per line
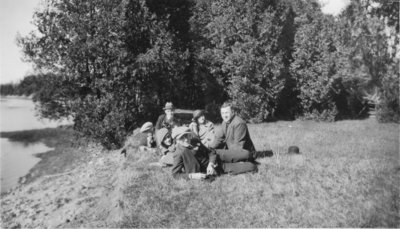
347 176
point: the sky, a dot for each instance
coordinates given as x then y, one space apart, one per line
16 17
333 6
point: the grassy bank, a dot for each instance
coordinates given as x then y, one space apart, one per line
347 176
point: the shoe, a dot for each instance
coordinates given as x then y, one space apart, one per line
262 154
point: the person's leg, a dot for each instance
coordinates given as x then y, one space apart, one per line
168 159
238 167
231 156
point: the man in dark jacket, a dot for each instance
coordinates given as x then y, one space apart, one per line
167 120
233 133
193 160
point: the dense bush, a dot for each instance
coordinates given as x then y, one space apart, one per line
244 51
388 110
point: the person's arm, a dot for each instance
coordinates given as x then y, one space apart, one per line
159 122
210 136
172 149
210 127
212 164
194 128
219 138
163 150
212 155
240 135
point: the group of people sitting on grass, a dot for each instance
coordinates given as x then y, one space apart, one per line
199 150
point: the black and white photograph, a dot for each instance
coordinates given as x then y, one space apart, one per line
199 114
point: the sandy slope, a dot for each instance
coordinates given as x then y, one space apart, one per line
64 199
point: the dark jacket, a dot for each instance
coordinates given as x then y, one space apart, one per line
192 161
233 135
162 122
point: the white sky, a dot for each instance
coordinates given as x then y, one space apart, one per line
16 16
333 6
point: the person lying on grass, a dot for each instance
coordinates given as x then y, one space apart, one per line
202 128
143 138
166 147
193 160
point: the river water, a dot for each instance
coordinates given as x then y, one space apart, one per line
17 158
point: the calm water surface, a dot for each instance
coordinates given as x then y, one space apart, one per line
16 157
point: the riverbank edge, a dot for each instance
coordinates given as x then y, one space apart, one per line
29 97
69 150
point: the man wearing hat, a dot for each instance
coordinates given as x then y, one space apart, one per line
193 160
167 120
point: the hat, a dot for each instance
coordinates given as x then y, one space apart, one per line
146 127
169 106
160 134
293 150
178 132
197 114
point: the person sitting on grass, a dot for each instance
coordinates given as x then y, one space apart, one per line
193 160
166 147
233 132
202 128
143 138
167 120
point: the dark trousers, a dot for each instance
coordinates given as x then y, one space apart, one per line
235 161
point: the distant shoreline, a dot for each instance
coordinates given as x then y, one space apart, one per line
16 97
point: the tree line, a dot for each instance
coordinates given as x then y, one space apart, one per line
28 86
112 65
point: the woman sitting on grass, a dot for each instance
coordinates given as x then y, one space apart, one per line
193 160
143 138
166 147
202 128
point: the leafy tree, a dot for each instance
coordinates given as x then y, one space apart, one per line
314 64
109 57
368 35
245 51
